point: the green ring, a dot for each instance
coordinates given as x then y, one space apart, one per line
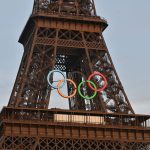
87 97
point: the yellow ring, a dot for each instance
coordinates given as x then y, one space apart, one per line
59 86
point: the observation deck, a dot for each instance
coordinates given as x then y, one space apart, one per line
74 124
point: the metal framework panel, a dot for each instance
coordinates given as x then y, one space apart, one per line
67 35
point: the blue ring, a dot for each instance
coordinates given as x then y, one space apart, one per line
48 77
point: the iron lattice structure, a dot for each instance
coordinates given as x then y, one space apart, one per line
56 129
67 35
68 43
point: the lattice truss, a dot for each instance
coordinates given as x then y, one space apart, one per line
31 87
76 53
26 143
69 7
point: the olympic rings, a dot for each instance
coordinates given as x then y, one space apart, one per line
59 86
87 97
49 75
104 78
91 84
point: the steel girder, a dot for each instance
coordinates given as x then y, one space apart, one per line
41 143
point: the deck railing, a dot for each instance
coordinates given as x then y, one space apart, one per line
79 117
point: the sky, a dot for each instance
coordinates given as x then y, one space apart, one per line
127 38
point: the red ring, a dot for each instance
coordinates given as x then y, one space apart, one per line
104 78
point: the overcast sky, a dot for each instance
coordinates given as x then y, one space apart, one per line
127 37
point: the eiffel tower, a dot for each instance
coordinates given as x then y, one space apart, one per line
66 37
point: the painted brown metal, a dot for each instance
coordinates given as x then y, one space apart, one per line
68 35
46 129
56 39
